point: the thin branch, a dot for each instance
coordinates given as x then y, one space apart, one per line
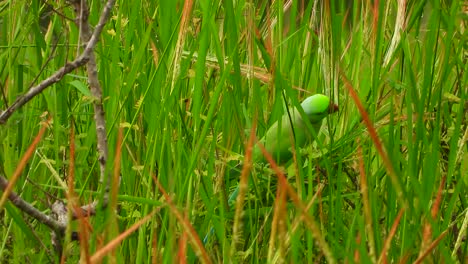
54 78
91 38
31 210
67 68
86 57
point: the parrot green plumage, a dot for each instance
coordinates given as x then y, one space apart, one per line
278 141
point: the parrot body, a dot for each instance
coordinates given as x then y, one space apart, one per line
289 132
280 137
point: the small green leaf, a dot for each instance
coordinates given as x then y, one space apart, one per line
81 87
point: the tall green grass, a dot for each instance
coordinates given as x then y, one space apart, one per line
187 82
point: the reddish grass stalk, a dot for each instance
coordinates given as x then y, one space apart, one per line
182 252
74 206
154 249
310 222
114 185
375 139
277 225
438 200
427 229
282 214
116 174
366 204
388 241
193 236
184 23
243 186
109 247
375 18
84 226
22 164
357 256
431 247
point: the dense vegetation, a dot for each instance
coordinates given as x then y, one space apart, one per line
187 81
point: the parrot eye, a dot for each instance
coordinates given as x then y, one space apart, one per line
333 108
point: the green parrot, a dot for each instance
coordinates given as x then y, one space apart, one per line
279 138
278 141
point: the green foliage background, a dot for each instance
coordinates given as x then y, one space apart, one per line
186 98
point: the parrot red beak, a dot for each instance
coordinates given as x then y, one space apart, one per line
333 108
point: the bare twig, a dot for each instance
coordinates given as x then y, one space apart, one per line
31 210
67 68
54 78
90 37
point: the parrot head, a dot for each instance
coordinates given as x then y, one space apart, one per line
317 107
